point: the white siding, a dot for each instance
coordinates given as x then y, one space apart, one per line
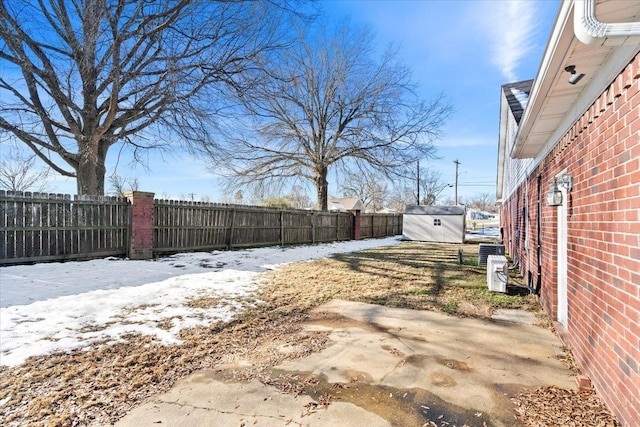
515 170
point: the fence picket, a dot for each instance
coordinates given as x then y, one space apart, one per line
46 227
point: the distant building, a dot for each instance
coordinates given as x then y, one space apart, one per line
346 204
474 214
387 211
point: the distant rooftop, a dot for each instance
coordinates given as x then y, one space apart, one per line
517 95
346 204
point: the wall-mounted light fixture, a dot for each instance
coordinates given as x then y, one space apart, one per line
575 76
554 196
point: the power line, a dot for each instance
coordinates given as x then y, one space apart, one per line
477 183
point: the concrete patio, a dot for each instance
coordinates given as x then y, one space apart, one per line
383 367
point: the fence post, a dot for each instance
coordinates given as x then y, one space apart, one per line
141 237
232 228
356 225
282 227
373 228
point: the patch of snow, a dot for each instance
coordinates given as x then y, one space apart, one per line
521 97
46 308
491 232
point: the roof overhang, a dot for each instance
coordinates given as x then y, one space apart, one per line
502 144
509 103
554 103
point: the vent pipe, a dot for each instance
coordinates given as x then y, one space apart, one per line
590 30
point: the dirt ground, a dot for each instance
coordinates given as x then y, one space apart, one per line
97 386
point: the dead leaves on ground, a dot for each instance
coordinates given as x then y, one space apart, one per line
553 406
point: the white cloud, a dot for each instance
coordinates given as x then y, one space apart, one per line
510 28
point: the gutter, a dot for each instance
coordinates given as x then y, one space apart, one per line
552 63
589 30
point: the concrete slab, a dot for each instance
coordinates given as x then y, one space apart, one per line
385 367
518 316
205 399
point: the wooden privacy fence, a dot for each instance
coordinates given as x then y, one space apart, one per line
380 225
191 226
47 227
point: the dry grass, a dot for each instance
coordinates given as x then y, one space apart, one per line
97 386
412 275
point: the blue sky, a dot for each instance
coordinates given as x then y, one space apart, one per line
464 49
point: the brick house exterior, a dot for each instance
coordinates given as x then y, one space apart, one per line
582 258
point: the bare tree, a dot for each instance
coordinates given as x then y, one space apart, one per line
329 103
19 172
371 188
298 197
404 192
276 202
483 202
122 184
401 196
431 187
95 73
238 197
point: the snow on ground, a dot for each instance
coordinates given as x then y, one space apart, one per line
480 233
52 307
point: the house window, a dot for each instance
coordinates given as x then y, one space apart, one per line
437 222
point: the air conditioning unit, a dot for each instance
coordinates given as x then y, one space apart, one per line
497 273
486 249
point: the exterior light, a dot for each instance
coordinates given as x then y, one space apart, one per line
575 76
554 196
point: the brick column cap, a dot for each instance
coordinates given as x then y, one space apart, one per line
132 194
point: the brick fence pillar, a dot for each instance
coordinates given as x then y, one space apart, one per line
141 238
356 225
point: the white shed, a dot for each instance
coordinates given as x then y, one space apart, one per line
443 224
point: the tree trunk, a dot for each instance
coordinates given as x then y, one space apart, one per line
90 174
322 189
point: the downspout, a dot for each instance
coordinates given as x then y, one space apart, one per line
589 30
539 238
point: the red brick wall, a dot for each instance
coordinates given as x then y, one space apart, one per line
602 154
141 241
519 221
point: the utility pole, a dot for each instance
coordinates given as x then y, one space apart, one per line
418 183
456 190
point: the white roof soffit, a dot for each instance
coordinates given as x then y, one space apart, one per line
554 104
